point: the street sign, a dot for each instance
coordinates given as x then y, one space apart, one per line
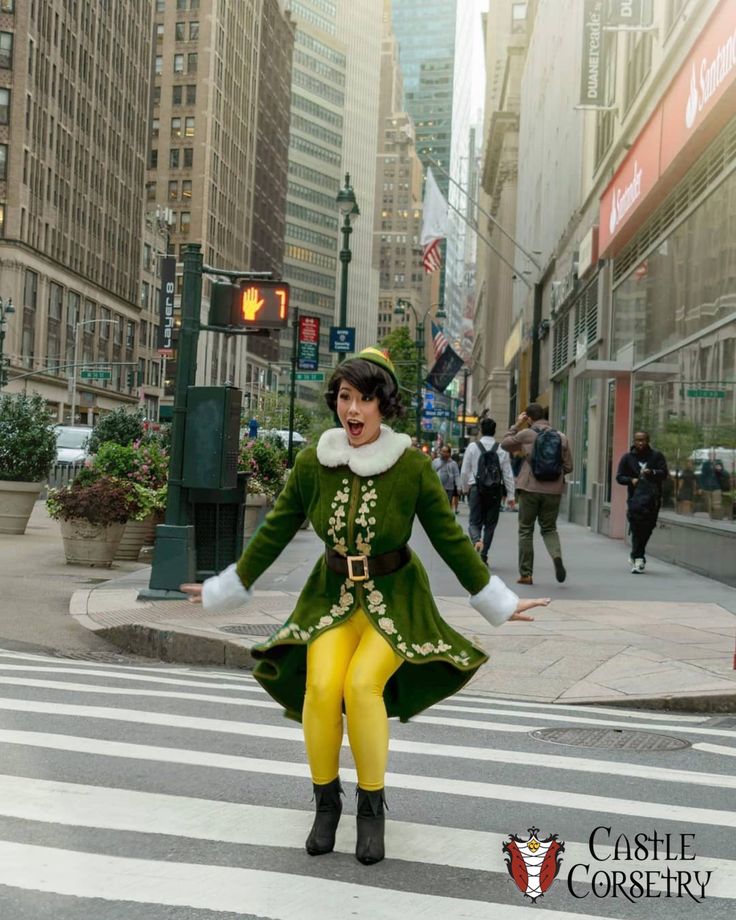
308 346
96 374
317 376
342 339
707 394
469 419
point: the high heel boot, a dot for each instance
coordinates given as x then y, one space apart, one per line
371 824
328 808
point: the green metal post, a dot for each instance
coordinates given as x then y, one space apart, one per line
420 349
292 391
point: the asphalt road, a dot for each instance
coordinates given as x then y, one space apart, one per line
150 792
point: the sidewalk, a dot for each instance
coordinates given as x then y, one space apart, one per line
664 639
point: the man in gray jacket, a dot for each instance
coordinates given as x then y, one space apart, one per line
539 486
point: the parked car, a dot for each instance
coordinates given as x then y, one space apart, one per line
283 435
71 443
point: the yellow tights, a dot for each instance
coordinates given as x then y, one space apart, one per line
353 662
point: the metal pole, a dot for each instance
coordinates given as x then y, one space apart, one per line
420 349
73 399
3 372
465 405
292 394
345 259
536 348
186 372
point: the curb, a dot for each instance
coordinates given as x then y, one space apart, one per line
177 647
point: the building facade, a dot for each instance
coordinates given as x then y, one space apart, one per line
72 207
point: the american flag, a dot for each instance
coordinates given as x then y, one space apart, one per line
439 340
432 257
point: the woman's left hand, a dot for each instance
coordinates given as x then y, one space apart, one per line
527 604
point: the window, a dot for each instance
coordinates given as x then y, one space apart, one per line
178 63
176 92
189 126
7 6
160 6
6 50
4 106
129 335
185 221
191 93
638 64
518 17
159 64
153 159
176 127
155 125
173 190
159 33
2 219
157 95
193 31
3 162
150 191
186 188
179 31
181 4
192 62
174 158
104 330
188 157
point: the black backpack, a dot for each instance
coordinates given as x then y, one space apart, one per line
488 477
644 500
546 458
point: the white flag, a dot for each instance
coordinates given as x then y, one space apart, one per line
434 223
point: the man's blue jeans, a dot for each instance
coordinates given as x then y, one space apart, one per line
484 513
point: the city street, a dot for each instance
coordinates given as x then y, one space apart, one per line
170 792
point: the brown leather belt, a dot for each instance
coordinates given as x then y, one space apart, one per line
361 568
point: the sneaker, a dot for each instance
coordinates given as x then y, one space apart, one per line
638 567
524 580
560 573
484 559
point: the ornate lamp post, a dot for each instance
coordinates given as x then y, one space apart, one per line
347 207
400 310
6 309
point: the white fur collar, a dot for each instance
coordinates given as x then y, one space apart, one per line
333 449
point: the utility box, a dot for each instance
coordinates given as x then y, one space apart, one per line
218 517
211 438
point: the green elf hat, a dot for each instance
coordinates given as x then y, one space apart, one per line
381 358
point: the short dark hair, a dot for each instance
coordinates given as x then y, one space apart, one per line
534 411
371 380
487 427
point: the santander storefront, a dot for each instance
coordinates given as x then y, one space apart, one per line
668 224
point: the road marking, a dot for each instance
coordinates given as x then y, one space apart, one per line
716 749
440 785
561 707
78 805
276 895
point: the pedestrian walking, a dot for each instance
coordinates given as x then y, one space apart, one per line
540 485
449 474
366 636
486 477
642 470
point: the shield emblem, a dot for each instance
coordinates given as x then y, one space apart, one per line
534 863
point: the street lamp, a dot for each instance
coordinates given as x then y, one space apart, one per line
400 310
73 386
347 207
6 309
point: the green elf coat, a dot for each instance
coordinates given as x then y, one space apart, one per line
362 501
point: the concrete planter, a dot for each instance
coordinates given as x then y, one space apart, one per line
94 545
16 504
136 535
256 508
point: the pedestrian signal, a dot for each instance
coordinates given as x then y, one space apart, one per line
250 305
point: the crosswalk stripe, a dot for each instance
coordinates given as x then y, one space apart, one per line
440 785
282 733
249 688
716 749
598 710
77 805
276 895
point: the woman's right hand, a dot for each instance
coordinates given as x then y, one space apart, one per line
194 592
527 604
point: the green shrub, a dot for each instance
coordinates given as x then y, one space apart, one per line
27 438
120 426
265 460
144 463
98 501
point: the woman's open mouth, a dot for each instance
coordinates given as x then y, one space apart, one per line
356 429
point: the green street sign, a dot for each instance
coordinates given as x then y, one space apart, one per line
707 394
317 376
97 374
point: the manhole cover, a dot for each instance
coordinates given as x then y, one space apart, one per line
250 629
610 738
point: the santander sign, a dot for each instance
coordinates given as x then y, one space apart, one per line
625 197
710 75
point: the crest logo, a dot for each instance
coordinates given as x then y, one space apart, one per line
533 864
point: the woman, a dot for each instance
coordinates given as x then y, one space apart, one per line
366 634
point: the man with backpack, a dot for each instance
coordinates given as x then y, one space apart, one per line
642 470
486 476
547 458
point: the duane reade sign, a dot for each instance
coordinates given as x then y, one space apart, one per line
592 82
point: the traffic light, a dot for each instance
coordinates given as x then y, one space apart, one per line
250 305
130 377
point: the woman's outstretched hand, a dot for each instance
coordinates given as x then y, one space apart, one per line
527 604
195 593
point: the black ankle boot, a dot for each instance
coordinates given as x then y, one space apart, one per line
371 823
328 807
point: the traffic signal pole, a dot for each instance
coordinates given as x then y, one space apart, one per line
292 392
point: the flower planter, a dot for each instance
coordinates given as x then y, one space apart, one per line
136 535
256 508
90 544
16 504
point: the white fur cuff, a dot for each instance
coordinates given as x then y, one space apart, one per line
495 602
224 592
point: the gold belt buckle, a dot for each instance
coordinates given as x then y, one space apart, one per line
362 562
